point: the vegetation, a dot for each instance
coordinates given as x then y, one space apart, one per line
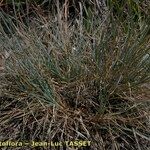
80 77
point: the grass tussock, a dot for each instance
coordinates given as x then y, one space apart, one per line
66 82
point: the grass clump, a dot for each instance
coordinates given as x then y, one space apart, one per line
66 82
